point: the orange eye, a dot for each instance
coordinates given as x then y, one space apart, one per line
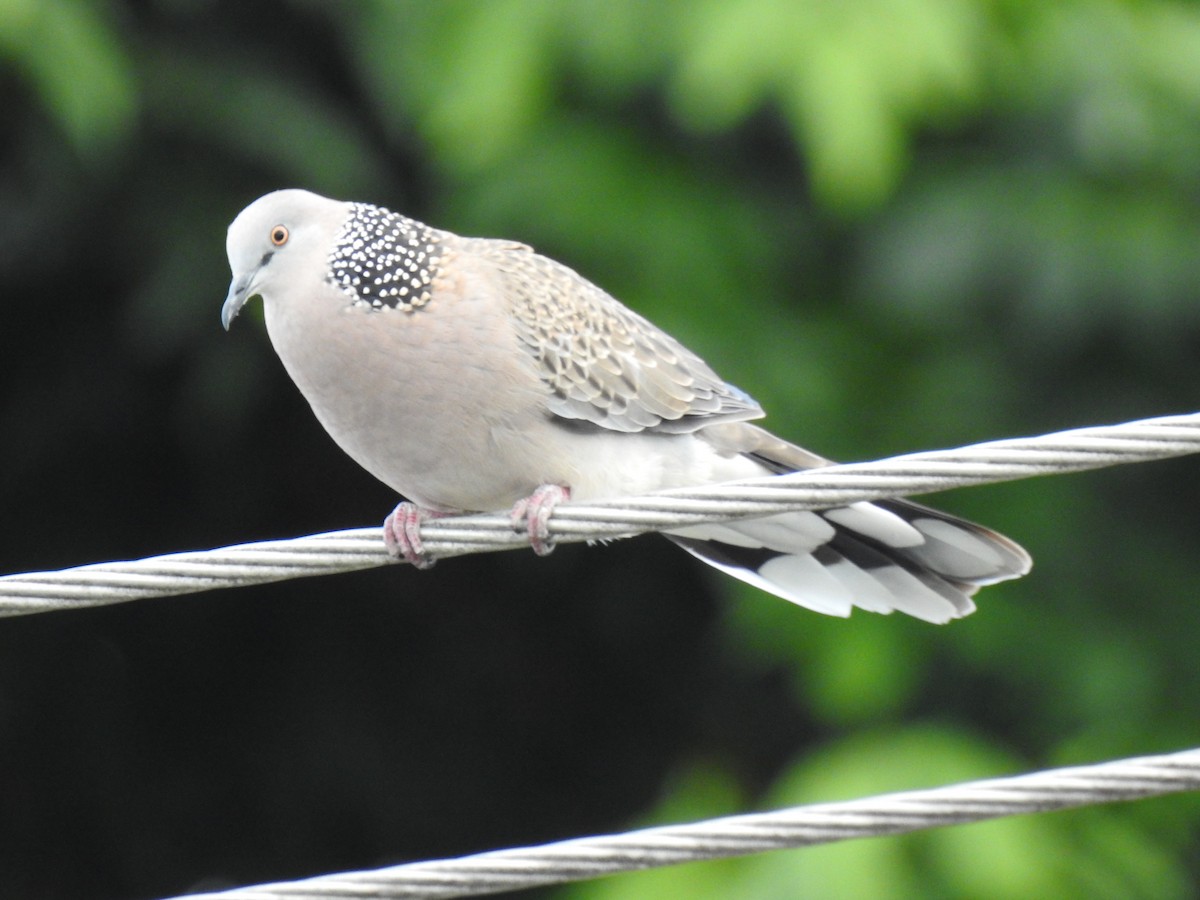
279 235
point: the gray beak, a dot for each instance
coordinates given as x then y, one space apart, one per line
239 293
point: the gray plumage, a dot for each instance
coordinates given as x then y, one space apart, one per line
469 373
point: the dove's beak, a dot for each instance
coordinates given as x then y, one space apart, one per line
240 290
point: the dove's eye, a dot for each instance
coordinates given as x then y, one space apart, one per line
279 235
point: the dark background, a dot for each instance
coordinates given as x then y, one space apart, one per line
900 226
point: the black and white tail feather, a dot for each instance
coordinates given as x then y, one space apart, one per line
879 556
882 556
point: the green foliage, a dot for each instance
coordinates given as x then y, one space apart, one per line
899 224
94 97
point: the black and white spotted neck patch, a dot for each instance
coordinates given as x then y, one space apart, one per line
384 260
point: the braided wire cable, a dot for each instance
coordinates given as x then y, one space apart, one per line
802 826
822 488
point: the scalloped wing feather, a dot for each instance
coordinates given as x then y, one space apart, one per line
601 362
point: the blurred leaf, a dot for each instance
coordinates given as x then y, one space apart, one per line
472 76
852 79
72 57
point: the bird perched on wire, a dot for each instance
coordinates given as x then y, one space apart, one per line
471 375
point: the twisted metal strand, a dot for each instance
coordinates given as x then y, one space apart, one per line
888 814
831 486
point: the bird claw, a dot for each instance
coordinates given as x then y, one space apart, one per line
402 528
402 534
532 515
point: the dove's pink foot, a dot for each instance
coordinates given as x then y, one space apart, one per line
532 515
402 533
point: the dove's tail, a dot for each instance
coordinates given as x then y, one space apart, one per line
881 556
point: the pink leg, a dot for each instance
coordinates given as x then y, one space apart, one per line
402 533
532 515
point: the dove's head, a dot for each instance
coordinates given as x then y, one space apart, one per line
293 246
278 244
